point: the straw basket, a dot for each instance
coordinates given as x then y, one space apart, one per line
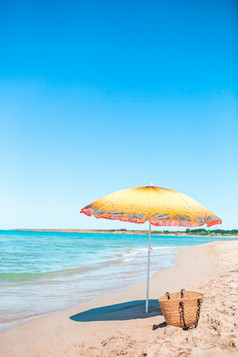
181 309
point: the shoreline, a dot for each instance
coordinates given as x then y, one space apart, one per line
119 231
122 285
116 324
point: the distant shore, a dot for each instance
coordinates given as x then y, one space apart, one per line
228 234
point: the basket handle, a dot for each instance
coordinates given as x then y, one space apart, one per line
182 293
183 317
181 304
168 295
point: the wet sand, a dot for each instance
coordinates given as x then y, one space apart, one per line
116 324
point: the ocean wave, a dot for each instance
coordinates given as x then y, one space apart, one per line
132 254
25 277
20 277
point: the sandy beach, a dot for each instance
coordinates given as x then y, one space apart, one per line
116 325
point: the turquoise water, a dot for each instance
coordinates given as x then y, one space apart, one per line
42 272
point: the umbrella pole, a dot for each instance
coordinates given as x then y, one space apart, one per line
148 273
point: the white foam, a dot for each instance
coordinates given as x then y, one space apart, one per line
131 255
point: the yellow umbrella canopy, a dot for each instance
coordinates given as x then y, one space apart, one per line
159 206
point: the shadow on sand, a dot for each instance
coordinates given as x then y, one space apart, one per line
124 311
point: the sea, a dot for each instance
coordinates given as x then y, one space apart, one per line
44 272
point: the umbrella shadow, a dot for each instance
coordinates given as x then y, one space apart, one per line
125 311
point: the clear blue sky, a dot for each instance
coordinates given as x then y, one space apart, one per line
98 96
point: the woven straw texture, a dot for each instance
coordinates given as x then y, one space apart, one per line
172 311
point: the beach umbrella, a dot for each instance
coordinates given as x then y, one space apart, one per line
159 206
